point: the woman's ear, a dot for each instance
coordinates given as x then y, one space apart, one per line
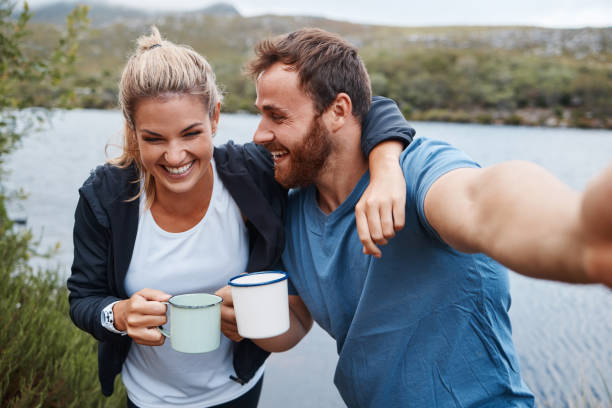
214 121
340 110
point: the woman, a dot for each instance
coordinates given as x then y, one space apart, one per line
176 214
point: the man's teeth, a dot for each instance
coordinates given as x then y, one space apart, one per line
277 155
178 170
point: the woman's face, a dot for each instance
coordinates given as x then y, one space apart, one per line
174 136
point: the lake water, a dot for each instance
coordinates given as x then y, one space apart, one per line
563 333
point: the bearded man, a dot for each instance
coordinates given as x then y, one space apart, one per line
424 321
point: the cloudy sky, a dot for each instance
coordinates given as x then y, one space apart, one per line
549 13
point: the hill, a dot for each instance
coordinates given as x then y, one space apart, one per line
104 14
515 75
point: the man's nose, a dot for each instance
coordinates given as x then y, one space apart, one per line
262 135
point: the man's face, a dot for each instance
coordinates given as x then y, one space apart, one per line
290 128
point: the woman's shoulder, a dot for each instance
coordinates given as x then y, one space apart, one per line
109 182
231 150
234 158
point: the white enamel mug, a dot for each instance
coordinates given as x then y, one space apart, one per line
195 322
261 303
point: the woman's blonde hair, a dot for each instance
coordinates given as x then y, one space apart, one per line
159 68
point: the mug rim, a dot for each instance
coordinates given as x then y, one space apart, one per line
214 303
242 285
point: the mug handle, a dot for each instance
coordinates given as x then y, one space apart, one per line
163 331
161 328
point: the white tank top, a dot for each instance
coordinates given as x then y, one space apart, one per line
201 259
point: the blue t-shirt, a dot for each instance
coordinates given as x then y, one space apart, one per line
425 325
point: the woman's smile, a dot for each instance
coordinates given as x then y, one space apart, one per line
179 172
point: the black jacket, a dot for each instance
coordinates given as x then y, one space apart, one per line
106 224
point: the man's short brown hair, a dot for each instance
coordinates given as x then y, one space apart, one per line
326 65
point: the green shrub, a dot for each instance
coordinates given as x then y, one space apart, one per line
484 118
514 120
45 361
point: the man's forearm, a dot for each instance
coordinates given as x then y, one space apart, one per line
299 326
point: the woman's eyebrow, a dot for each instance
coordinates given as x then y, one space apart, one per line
191 126
151 132
182 131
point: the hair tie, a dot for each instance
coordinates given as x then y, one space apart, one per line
154 46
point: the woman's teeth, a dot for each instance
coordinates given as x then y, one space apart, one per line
178 170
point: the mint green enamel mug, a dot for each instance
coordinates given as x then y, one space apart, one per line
195 322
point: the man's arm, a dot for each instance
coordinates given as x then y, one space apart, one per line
520 215
596 219
300 325
299 319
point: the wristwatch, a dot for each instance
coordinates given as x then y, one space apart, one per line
108 319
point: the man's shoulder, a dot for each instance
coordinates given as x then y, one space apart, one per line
425 148
424 154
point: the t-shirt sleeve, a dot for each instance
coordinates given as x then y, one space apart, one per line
291 288
424 162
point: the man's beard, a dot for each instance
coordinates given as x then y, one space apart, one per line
307 159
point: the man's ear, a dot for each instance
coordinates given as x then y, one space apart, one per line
340 110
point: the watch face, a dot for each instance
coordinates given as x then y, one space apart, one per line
107 317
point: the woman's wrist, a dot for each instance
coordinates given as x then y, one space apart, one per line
119 315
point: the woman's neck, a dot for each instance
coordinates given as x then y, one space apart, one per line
178 212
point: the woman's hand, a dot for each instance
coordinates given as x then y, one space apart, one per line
140 316
228 317
381 210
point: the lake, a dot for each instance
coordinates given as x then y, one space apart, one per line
563 332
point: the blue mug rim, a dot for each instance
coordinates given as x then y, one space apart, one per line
242 285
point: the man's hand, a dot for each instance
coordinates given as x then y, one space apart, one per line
381 210
228 316
140 316
596 216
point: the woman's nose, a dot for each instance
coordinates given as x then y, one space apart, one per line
175 154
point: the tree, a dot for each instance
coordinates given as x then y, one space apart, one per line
44 360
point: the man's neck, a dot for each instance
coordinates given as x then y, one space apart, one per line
343 170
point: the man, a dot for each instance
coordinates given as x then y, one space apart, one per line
424 322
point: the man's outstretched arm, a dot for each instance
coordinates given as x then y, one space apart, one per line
525 218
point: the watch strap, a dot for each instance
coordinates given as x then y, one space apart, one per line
107 319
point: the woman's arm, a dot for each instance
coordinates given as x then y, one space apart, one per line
89 293
87 284
380 211
384 122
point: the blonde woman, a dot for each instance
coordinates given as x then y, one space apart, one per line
172 215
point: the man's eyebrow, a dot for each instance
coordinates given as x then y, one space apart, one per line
272 108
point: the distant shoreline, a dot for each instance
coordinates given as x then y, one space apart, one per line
549 118
554 118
